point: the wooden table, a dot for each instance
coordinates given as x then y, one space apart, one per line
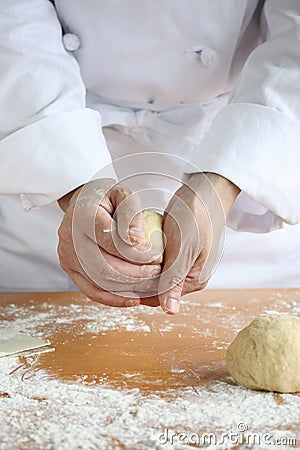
163 364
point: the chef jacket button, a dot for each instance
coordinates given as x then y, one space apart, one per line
208 56
71 42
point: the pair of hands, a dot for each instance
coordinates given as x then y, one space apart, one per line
101 242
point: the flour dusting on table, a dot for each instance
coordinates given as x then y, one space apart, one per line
60 415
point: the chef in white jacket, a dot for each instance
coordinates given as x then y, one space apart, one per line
195 88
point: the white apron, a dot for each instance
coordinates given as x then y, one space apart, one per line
160 117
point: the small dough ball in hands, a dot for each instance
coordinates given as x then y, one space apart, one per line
266 354
153 233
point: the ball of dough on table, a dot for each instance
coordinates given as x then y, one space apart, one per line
266 354
154 236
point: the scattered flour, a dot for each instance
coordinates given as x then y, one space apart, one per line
41 413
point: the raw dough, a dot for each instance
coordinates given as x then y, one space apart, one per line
153 229
266 354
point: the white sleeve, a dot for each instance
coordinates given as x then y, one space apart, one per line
255 140
49 142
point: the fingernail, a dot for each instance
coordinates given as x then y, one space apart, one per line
136 235
135 239
155 257
172 305
156 271
142 247
136 231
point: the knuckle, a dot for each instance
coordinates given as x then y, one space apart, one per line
61 252
145 286
131 302
62 232
148 271
65 261
203 285
128 212
123 192
174 283
109 246
65 264
193 286
177 280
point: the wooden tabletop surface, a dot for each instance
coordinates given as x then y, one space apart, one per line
141 348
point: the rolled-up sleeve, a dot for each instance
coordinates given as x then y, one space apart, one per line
50 142
254 141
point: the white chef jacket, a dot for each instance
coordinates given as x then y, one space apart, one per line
214 82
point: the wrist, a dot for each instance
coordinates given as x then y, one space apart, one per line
91 189
206 182
64 201
226 189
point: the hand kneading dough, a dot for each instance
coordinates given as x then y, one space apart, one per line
266 354
153 229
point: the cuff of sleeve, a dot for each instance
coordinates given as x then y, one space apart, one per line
53 156
257 148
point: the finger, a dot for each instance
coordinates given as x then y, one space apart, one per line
92 255
105 279
192 285
149 301
111 273
107 237
173 274
98 257
103 297
182 247
87 286
194 281
92 215
105 270
130 220
170 300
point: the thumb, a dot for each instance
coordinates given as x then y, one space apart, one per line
181 250
170 300
175 269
